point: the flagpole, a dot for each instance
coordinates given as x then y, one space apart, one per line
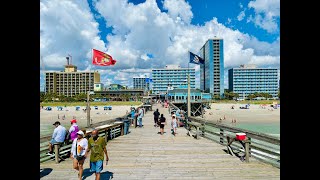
189 105
88 94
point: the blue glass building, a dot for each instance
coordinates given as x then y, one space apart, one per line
171 77
248 79
212 71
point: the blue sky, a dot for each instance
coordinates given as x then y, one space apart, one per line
146 34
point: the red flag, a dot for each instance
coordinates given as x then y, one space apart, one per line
102 59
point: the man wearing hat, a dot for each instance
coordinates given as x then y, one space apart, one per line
58 136
73 129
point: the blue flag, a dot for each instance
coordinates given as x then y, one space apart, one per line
195 59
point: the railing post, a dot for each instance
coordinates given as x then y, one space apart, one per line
249 138
56 151
197 135
221 136
203 130
109 134
106 135
122 129
247 150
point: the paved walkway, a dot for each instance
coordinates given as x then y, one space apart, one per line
145 154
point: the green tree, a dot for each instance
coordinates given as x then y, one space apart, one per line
251 96
216 97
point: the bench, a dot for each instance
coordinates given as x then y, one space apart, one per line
245 144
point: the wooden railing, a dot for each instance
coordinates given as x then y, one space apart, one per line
262 146
109 131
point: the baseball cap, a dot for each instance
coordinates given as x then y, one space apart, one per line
55 123
174 115
73 121
80 132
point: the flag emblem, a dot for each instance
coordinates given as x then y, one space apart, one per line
102 59
195 59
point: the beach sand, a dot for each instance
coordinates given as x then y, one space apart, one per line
255 114
256 118
47 118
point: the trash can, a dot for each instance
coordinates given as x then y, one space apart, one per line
126 124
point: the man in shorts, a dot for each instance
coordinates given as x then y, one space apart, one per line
97 145
58 136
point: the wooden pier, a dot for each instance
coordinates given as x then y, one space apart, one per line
145 154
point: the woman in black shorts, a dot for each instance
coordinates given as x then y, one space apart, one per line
162 123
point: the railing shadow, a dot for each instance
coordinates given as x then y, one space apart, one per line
103 175
45 172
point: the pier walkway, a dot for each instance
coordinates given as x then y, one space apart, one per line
145 154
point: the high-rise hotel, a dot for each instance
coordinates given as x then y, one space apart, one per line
70 82
141 83
212 71
171 77
248 79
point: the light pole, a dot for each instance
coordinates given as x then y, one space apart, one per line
88 109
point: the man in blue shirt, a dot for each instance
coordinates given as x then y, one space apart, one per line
58 136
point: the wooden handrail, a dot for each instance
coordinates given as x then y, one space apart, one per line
109 131
262 146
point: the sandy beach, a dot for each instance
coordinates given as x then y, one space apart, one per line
253 118
47 118
256 118
255 113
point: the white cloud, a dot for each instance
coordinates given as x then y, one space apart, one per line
138 30
240 5
241 16
267 13
67 27
179 10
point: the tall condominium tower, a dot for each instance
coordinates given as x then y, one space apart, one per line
212 71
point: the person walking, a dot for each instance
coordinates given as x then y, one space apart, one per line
140 115
97 145
174 124
58 136
156 115
78 151
162 123
133 111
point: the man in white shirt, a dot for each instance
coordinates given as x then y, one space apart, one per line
58 136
